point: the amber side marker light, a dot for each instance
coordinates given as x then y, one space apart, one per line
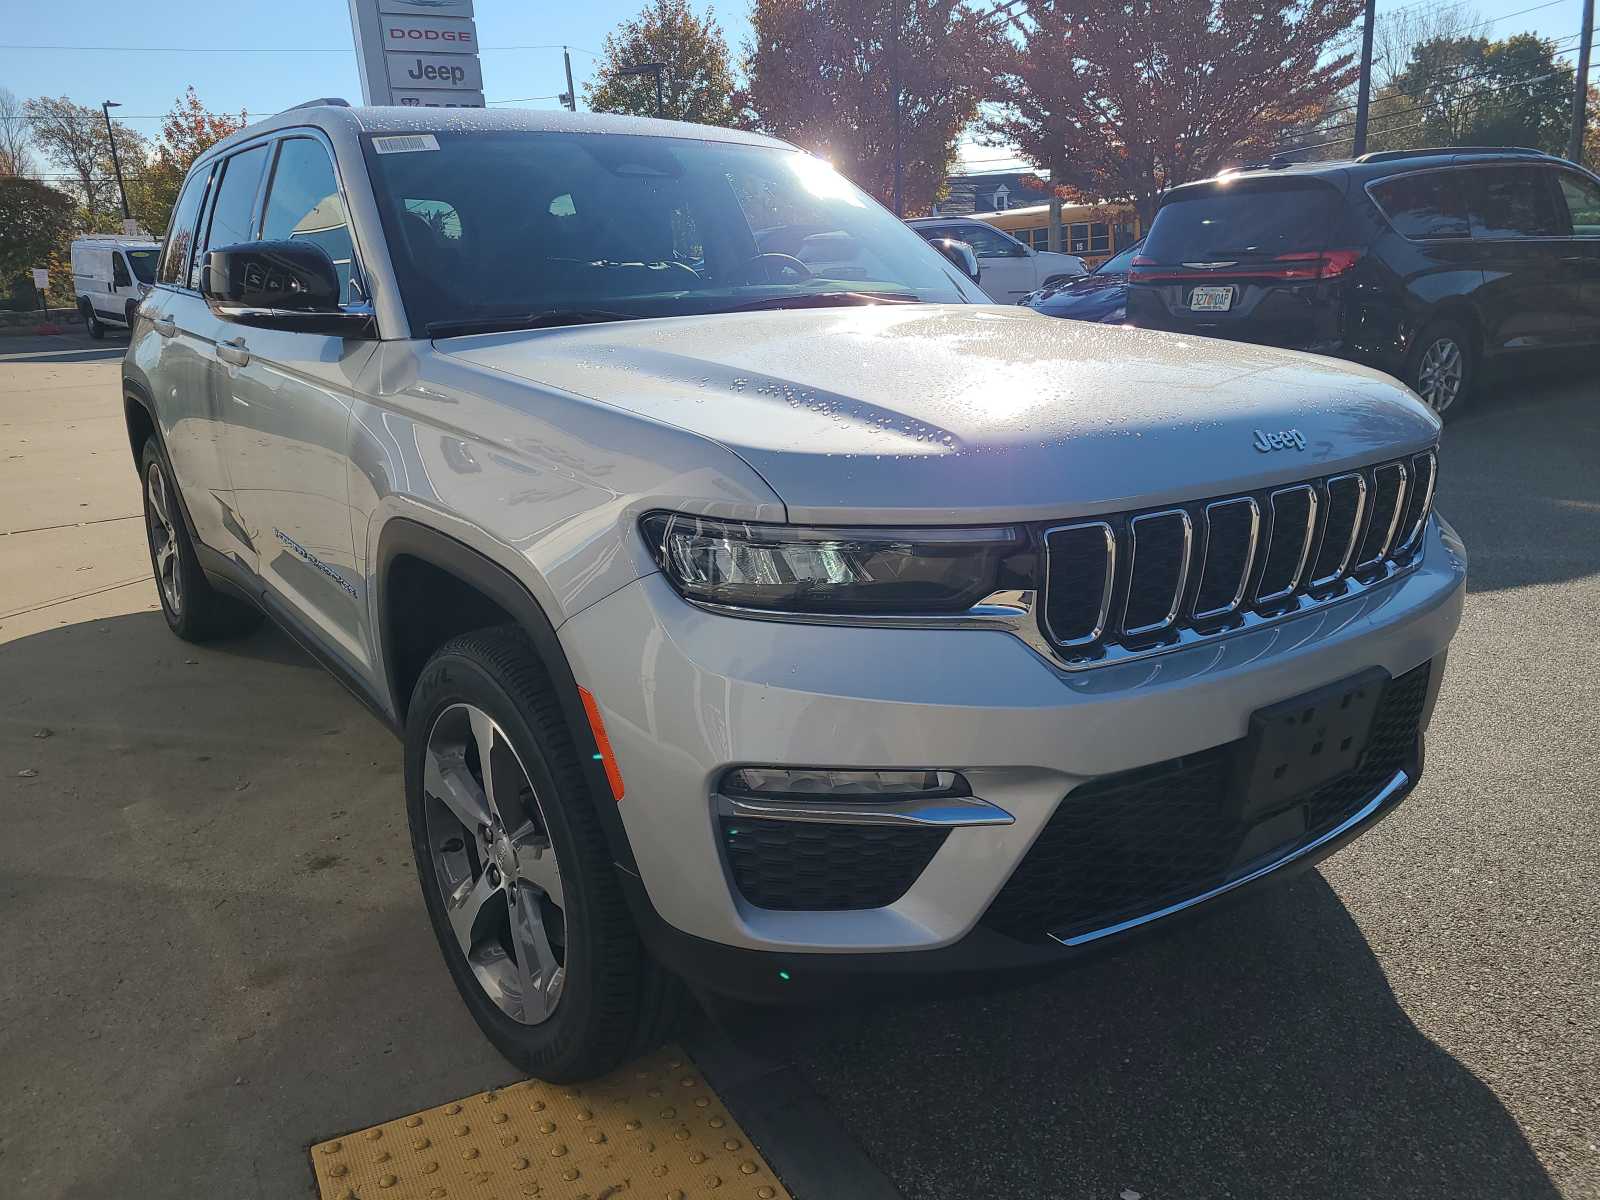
606 758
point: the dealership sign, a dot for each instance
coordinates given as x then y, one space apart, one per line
421 53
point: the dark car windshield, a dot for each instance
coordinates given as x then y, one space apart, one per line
1119 263
1242 220
143 263
491 226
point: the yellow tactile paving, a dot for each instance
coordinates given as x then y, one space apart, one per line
654 1129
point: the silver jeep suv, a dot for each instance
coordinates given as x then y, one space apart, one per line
760 608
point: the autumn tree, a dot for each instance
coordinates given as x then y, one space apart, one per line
16 157
1473 92
73 136
840 76
187 131
1125 98
697 80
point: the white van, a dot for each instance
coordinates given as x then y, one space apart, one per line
110 275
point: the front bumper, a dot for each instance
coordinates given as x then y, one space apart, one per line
685 694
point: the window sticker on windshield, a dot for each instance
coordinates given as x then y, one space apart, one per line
405 143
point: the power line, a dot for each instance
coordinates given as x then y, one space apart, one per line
264 49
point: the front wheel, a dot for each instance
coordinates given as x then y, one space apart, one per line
515 871
1441 367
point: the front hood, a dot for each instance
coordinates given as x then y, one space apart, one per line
972 413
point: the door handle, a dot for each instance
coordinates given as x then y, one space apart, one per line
166 326
233 352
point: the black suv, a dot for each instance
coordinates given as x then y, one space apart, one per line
1425 263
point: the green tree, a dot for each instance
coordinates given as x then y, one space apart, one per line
36 226
697 80
827 74
1474 92
187 131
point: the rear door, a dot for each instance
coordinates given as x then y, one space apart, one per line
1250 259
289 397
1580 197
1529 289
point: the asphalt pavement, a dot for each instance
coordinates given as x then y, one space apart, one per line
214 951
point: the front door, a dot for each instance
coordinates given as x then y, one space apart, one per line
288 399
1007 268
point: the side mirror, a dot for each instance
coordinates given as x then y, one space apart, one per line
279 285
961 254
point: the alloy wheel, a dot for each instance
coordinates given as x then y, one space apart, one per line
1440 374
492 859
163 538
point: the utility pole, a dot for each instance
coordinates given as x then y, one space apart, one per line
570 98
1364 89
1580 96
116 163
894 86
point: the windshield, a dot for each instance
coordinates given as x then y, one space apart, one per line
497 226
1257 221
143 263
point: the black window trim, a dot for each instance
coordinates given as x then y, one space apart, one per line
209 167
1571 168
265 142
1545 167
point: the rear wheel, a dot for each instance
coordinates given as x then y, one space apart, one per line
91 322
194 610
1442 367
515 871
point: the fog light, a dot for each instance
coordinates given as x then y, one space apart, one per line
821 783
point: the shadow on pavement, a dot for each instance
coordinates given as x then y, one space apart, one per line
1517 478
215 951
1257 1053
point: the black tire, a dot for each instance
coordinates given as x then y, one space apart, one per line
1429 369
194 610
616 1001
91 322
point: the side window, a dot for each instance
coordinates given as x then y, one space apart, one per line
303 205
233 213
180 237
989 242
1432 205
1582 195
119 271
1512 202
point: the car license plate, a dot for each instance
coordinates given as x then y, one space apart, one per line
1298 745
1211 299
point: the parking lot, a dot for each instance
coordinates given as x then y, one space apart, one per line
216 955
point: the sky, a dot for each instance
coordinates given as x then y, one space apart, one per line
265 56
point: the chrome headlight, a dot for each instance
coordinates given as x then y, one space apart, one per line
831 570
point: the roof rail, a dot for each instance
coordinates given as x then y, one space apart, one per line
1380 156
319 102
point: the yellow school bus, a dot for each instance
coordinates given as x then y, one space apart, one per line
1094 232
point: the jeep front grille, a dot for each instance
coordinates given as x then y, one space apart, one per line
1134 582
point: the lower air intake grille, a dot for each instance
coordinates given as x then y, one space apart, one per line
811 865
1130 844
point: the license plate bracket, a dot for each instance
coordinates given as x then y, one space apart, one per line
1211 299
1299 744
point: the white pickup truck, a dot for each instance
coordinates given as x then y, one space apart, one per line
1009 270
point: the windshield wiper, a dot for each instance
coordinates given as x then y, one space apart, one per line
544 319
824 300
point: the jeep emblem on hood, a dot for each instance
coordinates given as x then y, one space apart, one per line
1286 440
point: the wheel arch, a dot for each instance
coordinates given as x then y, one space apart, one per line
1462 312
406 547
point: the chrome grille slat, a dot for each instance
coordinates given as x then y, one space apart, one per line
1350 535
1185 553
1281 497
1252 540
1200 570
